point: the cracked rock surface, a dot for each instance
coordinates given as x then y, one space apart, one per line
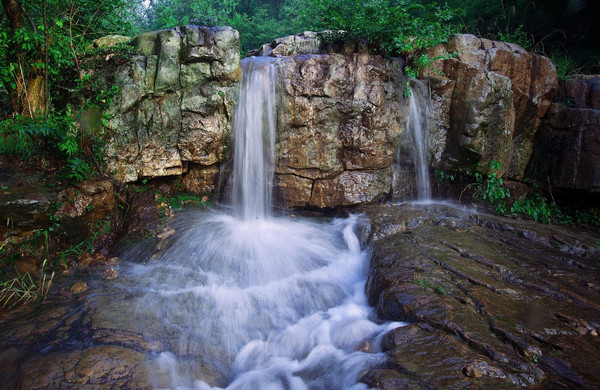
493 302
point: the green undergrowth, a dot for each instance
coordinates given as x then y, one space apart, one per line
487 187
179 201
70 139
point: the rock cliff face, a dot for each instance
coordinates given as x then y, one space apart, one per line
489 103
341 114
339 122
567 146
173 111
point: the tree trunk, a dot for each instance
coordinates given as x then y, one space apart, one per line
29 96
13 12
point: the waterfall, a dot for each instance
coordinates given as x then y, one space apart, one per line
254 135
412 149
245 300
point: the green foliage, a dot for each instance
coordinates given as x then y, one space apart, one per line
538 208
518 36
177 202
490 187
392 27
443 176
428 285
541 26
565 65
56 134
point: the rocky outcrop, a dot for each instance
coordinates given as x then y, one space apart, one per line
175 104
567 146
340 118
488 104
493 302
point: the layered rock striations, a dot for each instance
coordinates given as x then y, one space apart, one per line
173 111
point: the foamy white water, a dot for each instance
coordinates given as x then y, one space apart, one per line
244 300
254 135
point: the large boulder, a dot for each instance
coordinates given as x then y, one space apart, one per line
340 118
175 103
488 103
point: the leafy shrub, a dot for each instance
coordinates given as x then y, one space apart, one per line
57 133
538 208
518 36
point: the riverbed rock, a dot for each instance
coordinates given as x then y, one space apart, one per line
175 102
489 102
493 302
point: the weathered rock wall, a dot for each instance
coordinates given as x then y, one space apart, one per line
567 146
489 103
172 115
342 112
339 122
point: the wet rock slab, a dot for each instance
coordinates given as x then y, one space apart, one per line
493 302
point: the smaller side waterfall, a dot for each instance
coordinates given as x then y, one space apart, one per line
253 155
412 153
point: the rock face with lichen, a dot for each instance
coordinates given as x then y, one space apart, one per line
173 111
488 104
340 118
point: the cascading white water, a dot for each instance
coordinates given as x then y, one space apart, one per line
417 128
254 133
413 143
250 301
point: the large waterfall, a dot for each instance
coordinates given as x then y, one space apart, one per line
244 300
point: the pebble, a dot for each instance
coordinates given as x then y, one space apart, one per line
79 287
168 232
110 274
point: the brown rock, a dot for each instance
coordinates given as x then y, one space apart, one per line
341 119
200 179
94 200
292 191
112 261
580 91
79 287
351 188
110 274
166 233
495 94
493 302
28 265
567 149
85 259
175 102
96 367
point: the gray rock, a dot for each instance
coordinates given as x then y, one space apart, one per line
175 102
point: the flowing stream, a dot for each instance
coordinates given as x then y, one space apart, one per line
244 300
